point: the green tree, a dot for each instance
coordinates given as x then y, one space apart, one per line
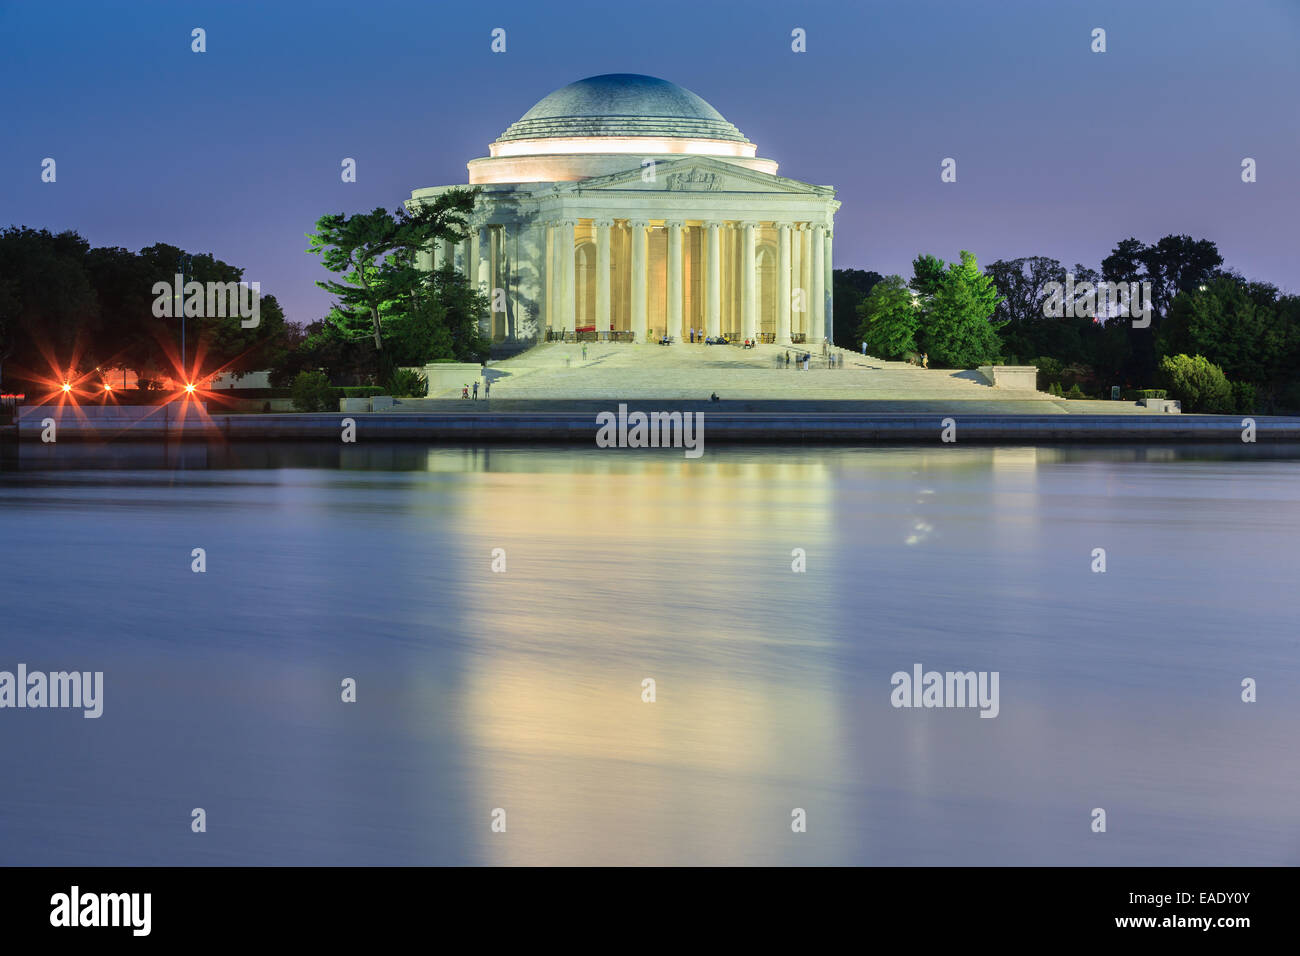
1234 324
311 392
356 248
889 319
376 254
956 327
1197 383
927 274
49 313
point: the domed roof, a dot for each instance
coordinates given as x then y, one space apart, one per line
622 104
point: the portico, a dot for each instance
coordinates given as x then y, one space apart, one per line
694 232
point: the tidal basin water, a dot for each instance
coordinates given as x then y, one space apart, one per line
522 689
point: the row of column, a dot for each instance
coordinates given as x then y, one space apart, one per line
483 250
815 251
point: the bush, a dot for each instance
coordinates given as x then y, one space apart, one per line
1152 393
1075 392
312 392
407 383
1198 383
359 391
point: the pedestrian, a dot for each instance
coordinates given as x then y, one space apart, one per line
864 348
476 390
584 352
487 388
692 336
925 360
464 391
787 358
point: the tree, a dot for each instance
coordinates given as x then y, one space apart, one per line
1173 264
377 256
355 247
956 329
889 319
850 287
49 313
927 274
1197 383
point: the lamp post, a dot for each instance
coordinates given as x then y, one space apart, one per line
183 267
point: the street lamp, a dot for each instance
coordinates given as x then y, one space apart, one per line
183 267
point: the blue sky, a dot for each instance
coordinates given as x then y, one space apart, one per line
1060 151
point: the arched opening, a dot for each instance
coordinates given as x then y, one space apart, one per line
584 281
767 289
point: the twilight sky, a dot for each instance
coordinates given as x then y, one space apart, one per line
1060 152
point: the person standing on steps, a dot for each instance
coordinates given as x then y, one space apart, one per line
487 388
476 390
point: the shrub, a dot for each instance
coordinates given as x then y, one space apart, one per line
1075 392
312 392
1152 393
407 383
1198 383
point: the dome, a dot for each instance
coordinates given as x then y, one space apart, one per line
622 105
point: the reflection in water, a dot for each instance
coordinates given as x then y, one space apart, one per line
522 688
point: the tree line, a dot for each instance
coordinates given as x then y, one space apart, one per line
73 312
77 313
1218 340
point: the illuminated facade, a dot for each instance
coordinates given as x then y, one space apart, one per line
625 207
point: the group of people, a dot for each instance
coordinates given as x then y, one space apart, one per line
802 360
487 390
697 335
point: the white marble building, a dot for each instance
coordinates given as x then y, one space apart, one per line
626 207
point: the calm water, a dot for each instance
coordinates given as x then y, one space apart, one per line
522 690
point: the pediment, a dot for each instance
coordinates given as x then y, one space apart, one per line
694 174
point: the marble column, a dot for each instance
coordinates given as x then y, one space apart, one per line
602 276
438 254
749 280
817 328
424 258
463 247
548 253
639 257
713 281
805 280
674 278
783 285
829 292
568 301
475 258
483 279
